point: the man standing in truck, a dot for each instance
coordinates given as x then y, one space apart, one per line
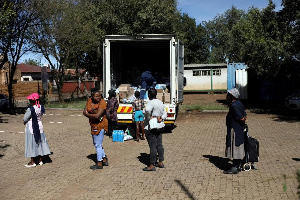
147 82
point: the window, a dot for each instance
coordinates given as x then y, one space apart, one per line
25 79
217 72
207 72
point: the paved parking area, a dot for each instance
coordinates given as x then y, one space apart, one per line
194 154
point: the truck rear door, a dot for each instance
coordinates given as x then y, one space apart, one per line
180 70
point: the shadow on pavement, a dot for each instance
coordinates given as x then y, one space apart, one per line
3 120
185 189
93 157
15 111
219 162
296 159
144 158
3 147
169 129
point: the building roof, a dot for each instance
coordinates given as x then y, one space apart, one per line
205 65
30 68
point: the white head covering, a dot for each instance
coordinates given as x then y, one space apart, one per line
234 92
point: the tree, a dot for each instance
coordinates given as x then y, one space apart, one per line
67 33
6 17
32 62
221 37
15 38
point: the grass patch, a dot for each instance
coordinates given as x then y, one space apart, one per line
71 104
199 108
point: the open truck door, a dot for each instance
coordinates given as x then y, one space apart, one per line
180 70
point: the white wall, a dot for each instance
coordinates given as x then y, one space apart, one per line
203 83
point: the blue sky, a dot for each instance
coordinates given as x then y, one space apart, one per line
205 10
200 10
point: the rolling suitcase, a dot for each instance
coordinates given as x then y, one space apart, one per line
251 151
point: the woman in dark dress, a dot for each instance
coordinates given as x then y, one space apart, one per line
235 122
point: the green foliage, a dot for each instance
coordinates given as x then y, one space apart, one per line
32 62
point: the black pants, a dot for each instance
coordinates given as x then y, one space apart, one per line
111 126
154 139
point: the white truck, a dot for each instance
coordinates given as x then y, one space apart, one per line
126 57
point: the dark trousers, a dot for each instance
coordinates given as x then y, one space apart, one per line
111 126
154 139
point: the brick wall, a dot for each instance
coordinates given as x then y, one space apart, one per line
22 90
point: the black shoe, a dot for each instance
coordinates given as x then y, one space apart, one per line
160 166
233 170
94 167
146 169
105 163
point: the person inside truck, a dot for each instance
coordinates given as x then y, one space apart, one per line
147 82
95 112
138 106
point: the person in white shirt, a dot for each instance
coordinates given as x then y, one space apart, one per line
154 109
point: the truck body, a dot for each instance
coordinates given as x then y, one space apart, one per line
126 57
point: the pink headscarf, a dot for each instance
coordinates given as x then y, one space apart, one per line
35 96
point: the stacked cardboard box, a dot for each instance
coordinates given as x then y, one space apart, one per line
163 95
125 91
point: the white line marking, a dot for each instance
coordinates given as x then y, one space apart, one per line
78 115
50 114
2 131
51 122
59 122
57 114
72 115
20 132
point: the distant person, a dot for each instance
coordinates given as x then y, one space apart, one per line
235 122
95 111
138 106
36 144
147 82
111 111
154 109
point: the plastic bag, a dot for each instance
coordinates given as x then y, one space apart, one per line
154 124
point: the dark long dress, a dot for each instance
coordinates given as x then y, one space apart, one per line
235 131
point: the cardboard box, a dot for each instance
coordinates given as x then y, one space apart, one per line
159 90
164 97
124 87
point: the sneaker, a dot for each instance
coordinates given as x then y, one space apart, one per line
30 165
41 163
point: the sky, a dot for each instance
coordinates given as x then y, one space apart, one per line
205 10
200 10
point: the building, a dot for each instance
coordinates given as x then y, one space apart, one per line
205 77
26 72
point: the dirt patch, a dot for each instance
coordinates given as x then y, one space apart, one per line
204 99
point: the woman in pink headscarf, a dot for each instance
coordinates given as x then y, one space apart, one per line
36 144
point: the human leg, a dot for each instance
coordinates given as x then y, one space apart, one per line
152 141
143 130
160 149
98 140
137 130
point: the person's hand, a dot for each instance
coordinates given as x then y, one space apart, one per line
159 119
